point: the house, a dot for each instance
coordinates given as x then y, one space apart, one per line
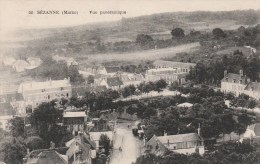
108 71
131 78
81 149
112 83
181 143
43 156
169 71
69 61
252 131
253 90
98 127
238 84
74 120
4 119
35 93
186 105
20 65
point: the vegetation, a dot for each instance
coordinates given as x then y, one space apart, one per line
230 152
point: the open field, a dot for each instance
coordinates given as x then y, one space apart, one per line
141 55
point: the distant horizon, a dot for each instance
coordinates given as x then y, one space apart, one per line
112 21
14 14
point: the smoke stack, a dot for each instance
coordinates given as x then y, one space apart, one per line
225 73
241 72
199 130
165 133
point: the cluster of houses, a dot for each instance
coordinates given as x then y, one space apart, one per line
83 147
21 65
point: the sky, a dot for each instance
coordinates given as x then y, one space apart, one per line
14 14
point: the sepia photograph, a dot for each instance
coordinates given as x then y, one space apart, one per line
129 82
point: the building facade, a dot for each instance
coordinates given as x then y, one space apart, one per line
181 143
35 93
169 71
238 84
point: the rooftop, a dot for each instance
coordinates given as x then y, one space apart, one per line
255 128
112 69
74 114
26 86
235 78
161 63
179 138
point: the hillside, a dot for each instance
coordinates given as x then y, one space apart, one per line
78 40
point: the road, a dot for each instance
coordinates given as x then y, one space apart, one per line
128 143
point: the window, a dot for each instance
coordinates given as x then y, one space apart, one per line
61 88
43 90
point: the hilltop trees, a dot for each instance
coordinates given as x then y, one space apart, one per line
145 41
177 33
218 33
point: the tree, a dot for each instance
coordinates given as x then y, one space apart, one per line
90 79
145 41
178 33
34 143
104 142
218 33
44 119
12 150
17 127
160 84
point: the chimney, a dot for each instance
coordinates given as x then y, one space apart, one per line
225 73
199 130
164 133
50 82
52 145
241 72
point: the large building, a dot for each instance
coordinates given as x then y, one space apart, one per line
35 93
238 84
180 143
74 120
169 71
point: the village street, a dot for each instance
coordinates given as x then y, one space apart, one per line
128 143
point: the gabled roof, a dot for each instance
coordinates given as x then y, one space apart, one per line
179 138
114 81
82 142
161 63
49 156
255 86
112 69
235 78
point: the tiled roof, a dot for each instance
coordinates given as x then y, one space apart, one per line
114 81
112 69
179 138
231 77
255 86
43 85
161 63
84 143
49 156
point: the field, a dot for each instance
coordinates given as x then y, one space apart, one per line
141 55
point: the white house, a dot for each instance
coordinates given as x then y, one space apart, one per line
238 84
169 71
35 93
